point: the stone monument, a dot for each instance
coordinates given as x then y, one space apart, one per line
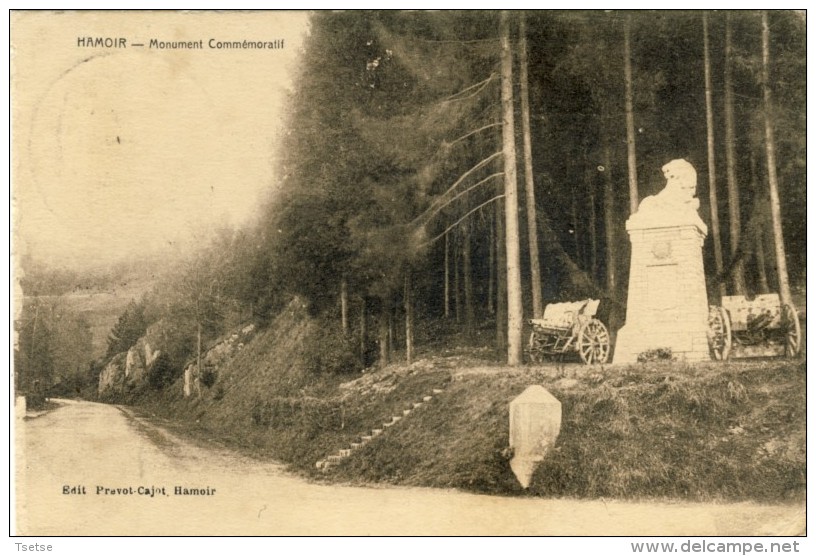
535 421
667 304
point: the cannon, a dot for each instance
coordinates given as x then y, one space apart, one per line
569 328
761 326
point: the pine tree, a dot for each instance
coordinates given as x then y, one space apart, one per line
514 308
712 166
770 152
130 326
631 155
529 185
734 217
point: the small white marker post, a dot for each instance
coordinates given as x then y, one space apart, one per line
535 421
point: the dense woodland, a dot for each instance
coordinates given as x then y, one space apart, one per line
459 170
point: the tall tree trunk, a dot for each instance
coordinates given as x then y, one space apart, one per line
501 279
738 270
409 320
761 264
363 333
574 216
382 326
30 373
514 306
491 274
198 357
759 232
457 290
712 166
770 151
447 276
630 116
467 275
529 185
593 232
609 219
344 306
391 329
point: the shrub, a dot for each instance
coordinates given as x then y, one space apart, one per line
209 376
327 350
131 326
162 372
657 354
261 413
35 400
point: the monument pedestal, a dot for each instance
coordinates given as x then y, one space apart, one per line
667 304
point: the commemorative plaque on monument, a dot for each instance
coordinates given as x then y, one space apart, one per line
667 305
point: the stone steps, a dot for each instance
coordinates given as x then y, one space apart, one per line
331 461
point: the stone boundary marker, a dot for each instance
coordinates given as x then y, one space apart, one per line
535 422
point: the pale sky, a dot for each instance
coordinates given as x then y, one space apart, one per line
117 152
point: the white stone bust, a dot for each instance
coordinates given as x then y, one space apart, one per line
676 204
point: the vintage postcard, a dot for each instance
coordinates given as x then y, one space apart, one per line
409 273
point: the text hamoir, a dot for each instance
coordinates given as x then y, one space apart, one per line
187 491
212 44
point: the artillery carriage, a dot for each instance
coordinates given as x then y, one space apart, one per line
567 328
762 326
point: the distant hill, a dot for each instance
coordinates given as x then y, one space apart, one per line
102 308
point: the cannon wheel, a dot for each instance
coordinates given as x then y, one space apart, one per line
719 330
793 331
534 351
593 342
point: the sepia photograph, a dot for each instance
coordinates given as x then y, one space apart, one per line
410 273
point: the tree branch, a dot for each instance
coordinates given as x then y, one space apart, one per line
449 228
477 184
474 132
455 41
479 165
481 85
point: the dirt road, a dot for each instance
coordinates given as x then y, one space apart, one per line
94 469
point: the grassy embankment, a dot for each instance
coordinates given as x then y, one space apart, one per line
733 431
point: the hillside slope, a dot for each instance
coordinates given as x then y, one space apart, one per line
733 431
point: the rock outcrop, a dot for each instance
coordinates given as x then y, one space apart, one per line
139 359
112 377
216 355
129 370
